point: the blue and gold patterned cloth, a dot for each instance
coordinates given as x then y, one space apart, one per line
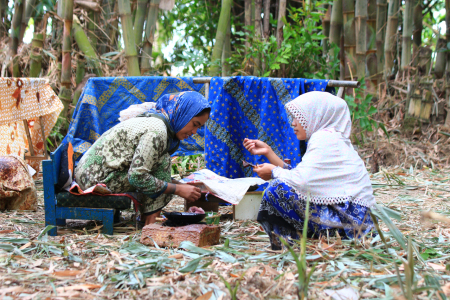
103 98
252 107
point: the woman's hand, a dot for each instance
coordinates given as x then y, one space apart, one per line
257 147
189 192
264 171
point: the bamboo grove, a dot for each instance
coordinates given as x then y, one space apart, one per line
378 41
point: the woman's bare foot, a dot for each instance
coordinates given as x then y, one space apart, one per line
150 219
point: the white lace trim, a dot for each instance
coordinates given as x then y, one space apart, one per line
328 200
298 114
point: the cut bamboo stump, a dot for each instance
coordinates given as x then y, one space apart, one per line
200 235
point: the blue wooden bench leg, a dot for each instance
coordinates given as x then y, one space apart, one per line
49 196
61 222
108 222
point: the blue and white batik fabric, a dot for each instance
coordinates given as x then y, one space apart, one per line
331 176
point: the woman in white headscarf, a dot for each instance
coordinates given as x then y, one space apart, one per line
331 174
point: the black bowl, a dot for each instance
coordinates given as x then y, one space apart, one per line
184 218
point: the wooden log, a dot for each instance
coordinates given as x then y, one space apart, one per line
200 235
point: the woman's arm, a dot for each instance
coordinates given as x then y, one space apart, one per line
257 147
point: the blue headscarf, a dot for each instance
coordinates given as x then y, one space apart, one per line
177 110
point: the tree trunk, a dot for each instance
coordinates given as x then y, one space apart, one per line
65 92
348 8
280 25
37 44
248 24
361 43
142 9
371 54
335 28
3 18
381 33
326 29
258 9
29 8
266 20
417 30
407 33
83 44
220 37
391 33
15 33
128 38
226 69
150 27
114 35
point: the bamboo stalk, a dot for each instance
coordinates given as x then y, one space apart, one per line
139 20
266 19
258 34
407 33
79 75
391 33
65 93
37 45
348 9
280 25
226 69
361 29
3 18
248 23
128 37
83 44
149 39
326 29
220 37
447 73
15 33
29 8
335 27
441 58
114 35
91 27
107 11
381 33
417 30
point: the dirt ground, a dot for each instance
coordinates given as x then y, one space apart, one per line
83 263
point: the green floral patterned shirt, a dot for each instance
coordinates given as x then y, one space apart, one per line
128 158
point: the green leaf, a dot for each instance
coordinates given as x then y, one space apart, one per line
14 240
381 125
43 232
372 110
395 232
192 248
7 247
191 266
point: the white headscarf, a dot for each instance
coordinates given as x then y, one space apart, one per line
331 170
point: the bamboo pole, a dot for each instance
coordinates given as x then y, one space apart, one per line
83 44
37 45
15 33
3 18
326 29
149 39
348 9
280 25
128 37
65 93
407 33
417 30
361 29
248 23
371 54
107 10
266 19
220 37
114 35
381 33
391 33
441 58
79 75
258 34
335 27
447 73
226 69
29 8
141 11
91 27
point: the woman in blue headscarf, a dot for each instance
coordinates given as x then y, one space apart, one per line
134 156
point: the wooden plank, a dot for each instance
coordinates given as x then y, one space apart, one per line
27 131
41 121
